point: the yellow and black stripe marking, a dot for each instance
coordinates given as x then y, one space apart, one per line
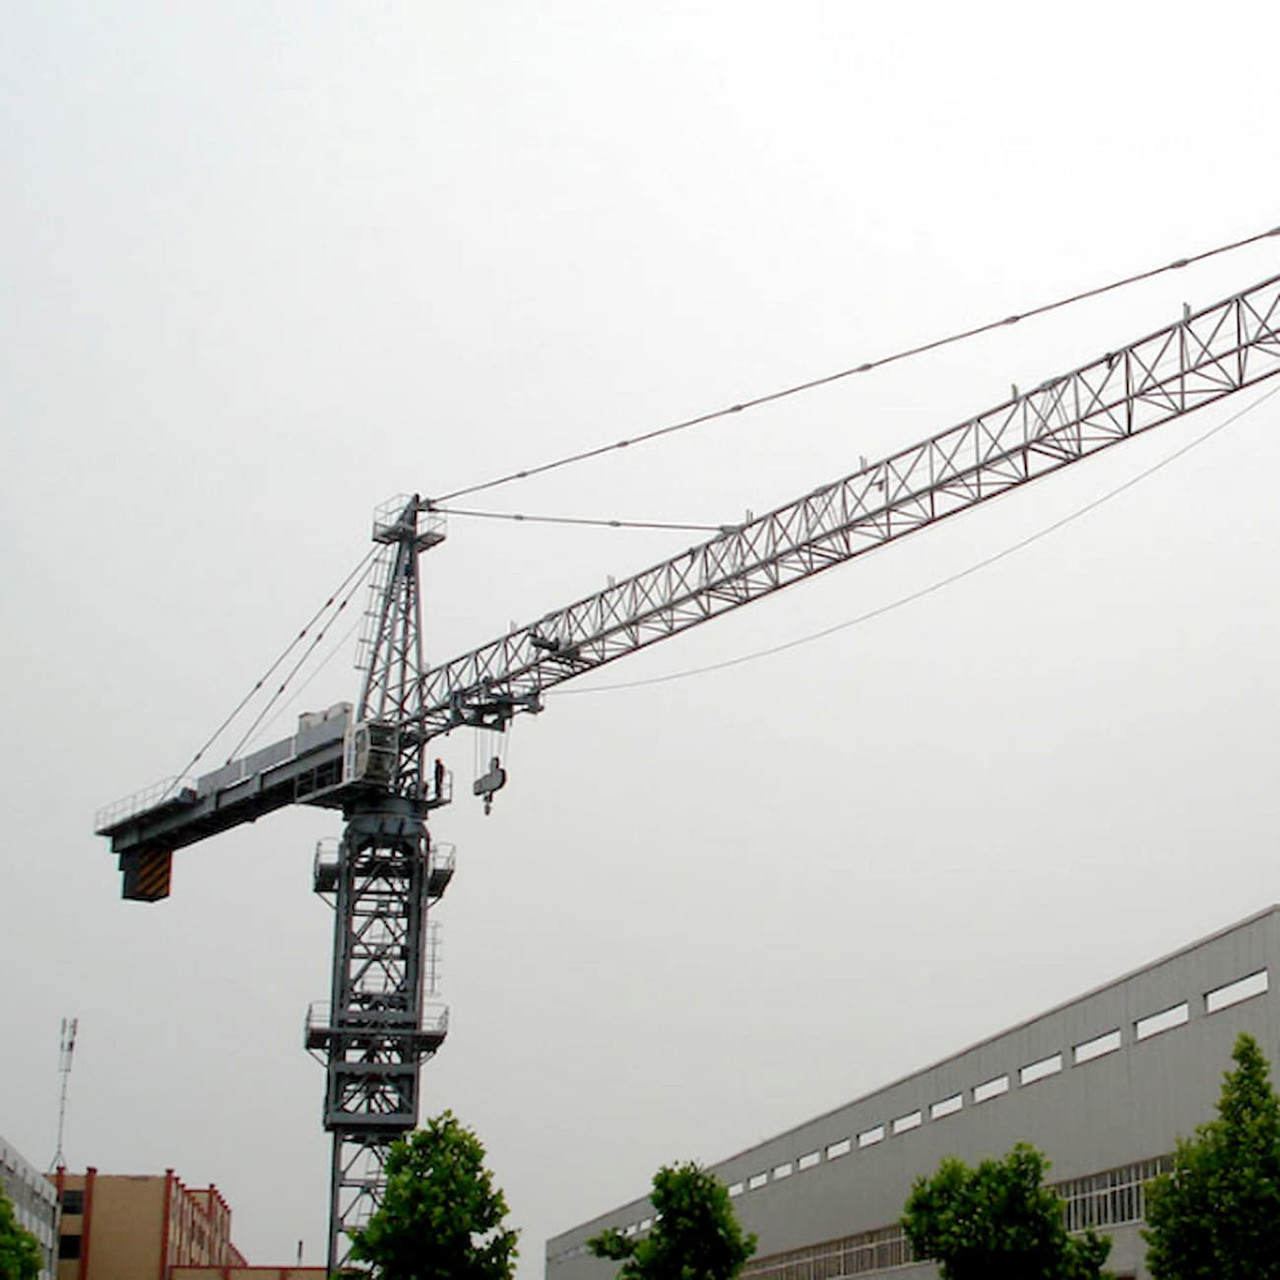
146 875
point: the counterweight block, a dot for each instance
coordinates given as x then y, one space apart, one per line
147 875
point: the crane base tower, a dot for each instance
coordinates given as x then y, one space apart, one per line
377 1029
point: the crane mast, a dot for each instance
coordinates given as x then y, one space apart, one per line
370 761
377 1030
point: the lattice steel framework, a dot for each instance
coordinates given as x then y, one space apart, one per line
377 1035
1182 367
392 688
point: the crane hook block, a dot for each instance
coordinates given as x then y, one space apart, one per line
146 875
487 783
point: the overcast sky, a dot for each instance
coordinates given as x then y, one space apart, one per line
265 265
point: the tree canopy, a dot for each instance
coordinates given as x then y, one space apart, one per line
441 1217
1217 1214
998 1222
695 1233
19 1250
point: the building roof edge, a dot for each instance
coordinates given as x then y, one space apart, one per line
1127 976
1111 983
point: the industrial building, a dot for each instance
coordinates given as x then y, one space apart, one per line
1103 1085
35 1204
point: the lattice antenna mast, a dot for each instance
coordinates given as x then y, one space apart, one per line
66 1050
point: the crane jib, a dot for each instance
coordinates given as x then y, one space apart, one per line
1185 366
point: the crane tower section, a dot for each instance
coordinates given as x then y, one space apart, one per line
377 1030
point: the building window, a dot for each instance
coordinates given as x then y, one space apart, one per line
73 1200
903 1124
991 1089
1034 1071
69 1247
1112 1198
947 1107
1165 1020
1243 989
1106 1043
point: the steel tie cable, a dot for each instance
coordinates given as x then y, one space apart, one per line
358 572
866 367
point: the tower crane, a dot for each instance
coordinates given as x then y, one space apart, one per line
369 760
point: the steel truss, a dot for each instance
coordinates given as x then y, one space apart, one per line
1185 366
378 1032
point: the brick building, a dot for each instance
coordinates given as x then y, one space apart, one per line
247 1273
122 1227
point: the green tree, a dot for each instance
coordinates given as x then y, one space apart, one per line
998 1222
1217 1215
19 1250
441 1217
695 1233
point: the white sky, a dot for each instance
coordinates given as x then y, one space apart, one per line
266 265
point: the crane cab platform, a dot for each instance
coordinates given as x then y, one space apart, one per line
441 863
362 1030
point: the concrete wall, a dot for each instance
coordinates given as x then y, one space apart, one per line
1119 1108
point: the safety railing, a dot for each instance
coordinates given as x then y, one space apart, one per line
176 788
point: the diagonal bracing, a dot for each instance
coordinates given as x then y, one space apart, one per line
1196 361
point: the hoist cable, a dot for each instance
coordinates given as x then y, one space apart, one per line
358 572
813 383
913 596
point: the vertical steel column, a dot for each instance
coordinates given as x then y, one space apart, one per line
375 1039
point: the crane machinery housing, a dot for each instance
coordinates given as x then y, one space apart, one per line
369 760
